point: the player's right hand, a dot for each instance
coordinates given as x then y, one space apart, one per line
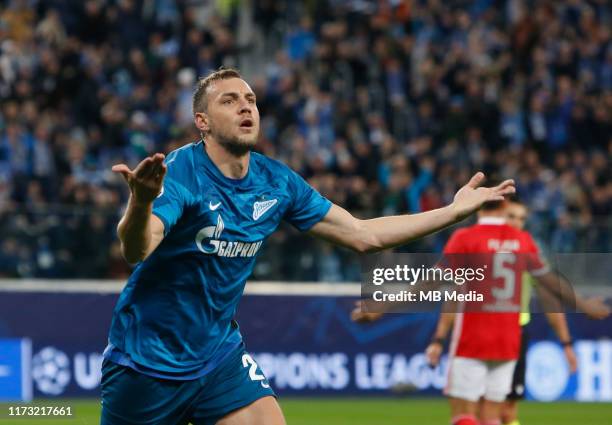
361 315
471 197
146 180
596 308
433 353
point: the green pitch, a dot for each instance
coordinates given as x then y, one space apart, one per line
356 411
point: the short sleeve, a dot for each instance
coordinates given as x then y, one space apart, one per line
453 246
170 203
308 206
536 265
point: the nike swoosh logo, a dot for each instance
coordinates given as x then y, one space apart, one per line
260 208
215 206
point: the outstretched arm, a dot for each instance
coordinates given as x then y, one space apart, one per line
340 227
435 347
558 322
555 291
139 231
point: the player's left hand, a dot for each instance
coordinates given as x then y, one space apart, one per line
360 315
570 356
471 197
433 353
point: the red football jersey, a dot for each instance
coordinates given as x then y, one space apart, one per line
489 329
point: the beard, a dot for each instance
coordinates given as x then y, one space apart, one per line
235 145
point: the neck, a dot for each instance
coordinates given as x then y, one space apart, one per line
231 166
483 214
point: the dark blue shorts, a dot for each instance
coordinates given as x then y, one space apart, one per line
130 397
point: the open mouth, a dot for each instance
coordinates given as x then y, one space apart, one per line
248 123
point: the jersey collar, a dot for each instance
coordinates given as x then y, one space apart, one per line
207 163
492 220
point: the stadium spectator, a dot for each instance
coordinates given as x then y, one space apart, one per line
384 106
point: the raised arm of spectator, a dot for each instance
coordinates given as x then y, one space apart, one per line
417 187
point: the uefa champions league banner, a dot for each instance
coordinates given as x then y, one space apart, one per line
51 345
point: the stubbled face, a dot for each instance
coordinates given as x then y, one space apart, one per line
516 215
232 117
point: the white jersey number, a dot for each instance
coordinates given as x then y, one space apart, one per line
247 361
503 263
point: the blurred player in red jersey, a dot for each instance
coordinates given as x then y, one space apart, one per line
487 334
486 340
485 345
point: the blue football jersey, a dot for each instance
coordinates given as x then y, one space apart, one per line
174 318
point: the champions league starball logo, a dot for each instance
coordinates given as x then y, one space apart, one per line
51 370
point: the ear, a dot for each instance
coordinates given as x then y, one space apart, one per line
201 122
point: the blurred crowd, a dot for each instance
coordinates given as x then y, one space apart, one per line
385 106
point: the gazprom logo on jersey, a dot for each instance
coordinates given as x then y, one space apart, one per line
548 376
207 241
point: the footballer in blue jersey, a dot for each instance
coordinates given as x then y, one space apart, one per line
195 222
